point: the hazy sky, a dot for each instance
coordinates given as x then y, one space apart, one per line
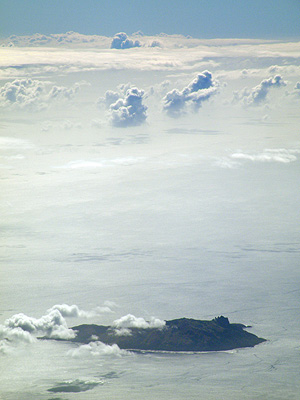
199 18
153 175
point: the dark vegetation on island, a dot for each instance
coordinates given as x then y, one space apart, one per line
182 334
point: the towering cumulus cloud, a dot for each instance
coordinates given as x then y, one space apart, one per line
121 41
199 90
126 108
258 94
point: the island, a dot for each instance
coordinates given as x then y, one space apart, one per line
177 335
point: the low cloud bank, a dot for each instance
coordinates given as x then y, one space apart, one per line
121 41
126 107
269 155
97 349
258 94
193 95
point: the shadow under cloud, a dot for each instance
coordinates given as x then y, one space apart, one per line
183 131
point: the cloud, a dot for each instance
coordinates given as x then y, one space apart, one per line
130 321
126 108
121 41
68 39
258 94
97 349
296 91
33 94
52 325
21 328
268 155
73 311
65 125
23 93
199 90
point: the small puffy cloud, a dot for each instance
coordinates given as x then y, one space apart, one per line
130 321
258 94
197 91
126 108
97 349
34 94
121 41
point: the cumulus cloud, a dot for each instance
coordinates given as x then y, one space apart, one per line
24 93
34 94
121 41
125 107
21 328
52 325
200 89
258 94
97 349
130 321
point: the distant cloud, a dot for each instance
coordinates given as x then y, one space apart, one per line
121 41
155 43
65 125
268 155
130 321
74 311
67 39
126 107
258 94
296 91
194 94
32 94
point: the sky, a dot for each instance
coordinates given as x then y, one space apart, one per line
198 18
147 177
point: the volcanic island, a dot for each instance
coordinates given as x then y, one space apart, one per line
177 335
